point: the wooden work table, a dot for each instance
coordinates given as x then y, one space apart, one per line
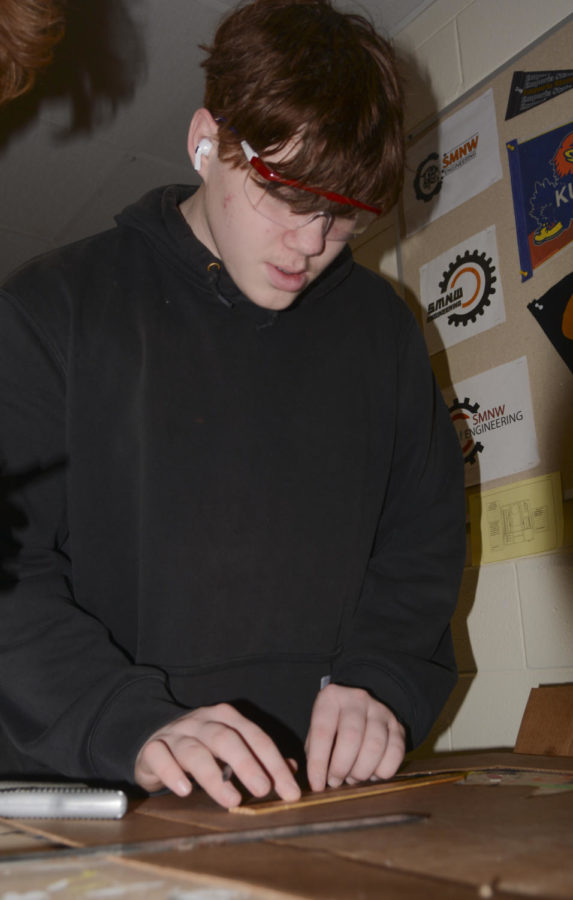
501 828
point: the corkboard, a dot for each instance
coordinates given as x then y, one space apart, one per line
551 380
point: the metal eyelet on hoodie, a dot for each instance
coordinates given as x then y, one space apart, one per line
214 268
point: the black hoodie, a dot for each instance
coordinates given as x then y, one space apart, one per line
205 500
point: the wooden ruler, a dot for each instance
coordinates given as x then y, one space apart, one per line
336 795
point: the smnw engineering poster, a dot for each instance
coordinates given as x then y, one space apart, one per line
493 417
455 161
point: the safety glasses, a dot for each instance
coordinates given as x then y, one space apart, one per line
271 200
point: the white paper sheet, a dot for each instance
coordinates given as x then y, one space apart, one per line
461 292
493 417
455 161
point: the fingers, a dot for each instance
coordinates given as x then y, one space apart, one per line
163 763
381 751
198 742
357 750
352 738
320 739
156 767
394 753
252 755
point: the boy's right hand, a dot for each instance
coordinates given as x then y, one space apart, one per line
198 742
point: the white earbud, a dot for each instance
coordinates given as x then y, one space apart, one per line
203 148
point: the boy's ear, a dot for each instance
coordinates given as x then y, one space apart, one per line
201 139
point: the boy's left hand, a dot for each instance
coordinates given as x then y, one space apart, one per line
352 737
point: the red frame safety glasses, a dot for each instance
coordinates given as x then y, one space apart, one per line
276 208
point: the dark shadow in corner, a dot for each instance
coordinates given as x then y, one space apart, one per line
97 67
423 176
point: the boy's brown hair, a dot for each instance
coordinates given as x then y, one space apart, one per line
300 74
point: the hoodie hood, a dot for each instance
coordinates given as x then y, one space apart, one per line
157 216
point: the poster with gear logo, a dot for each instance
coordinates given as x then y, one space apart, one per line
461 292
541 172
455 161
493 417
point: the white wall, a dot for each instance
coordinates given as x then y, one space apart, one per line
513 629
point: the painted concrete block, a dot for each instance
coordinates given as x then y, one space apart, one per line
430 21
513 27
546 595
435 79
487 709
486 627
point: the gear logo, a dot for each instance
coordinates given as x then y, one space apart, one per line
467 285
428 178
460 414
431 172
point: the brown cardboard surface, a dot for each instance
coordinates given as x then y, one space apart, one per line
489 759
202 812
505 836
14 840
300 872
547 723
90 833
168 816
476 837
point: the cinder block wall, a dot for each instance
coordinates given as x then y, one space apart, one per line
514 626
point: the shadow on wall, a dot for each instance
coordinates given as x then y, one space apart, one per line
96 67
378 247
421 115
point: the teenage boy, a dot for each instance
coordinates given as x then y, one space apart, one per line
231 479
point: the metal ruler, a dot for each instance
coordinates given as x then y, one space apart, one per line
187 844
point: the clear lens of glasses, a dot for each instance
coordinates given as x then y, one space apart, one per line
276 208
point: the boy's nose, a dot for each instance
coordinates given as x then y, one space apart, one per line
308 239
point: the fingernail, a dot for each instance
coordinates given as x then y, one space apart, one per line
183 788
261 785
231 798
333 781
290 793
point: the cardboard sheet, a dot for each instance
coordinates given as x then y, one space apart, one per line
547 723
